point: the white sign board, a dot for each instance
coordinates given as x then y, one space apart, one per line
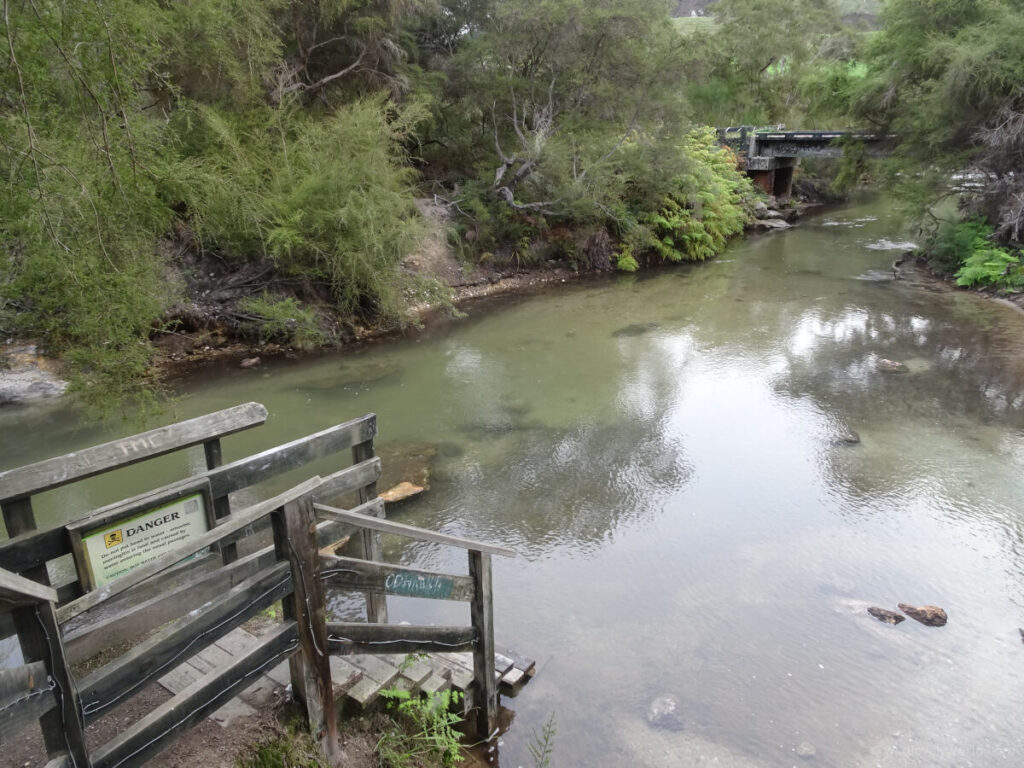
122 544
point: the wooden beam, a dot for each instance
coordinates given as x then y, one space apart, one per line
383 578
252 469
25 696
359 637
20 591
409 531
110 684
369 539
62 727
71 467
295 533
139 742
153 567
481 611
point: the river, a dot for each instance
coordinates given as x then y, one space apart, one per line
664 452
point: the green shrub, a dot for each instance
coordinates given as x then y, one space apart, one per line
423 733
965 249
284 321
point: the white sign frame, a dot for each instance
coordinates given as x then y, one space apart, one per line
102 543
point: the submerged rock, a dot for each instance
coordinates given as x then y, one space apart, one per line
847 437
890 366
636 329
806 750
406 464
766 225
929 615
250 362
356 374
663 712
404 491
886 616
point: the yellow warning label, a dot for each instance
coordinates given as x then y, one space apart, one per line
113 538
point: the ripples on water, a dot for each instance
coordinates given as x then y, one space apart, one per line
666 452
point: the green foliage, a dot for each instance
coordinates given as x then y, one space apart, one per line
283 321
288 747
966 248
701 209
543 745
423 734
749 67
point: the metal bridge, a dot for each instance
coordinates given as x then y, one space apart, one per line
770 155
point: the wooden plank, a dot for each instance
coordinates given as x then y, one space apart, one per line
384 578
295 529
352 638
502 664
221 504
274 461
238 642
26 694
153 567
181 677
33 548
349 479
71 467
370 543
525 663
409 531
481 611
139 742
121 677
374 667
15 590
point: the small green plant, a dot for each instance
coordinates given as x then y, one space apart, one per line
543 744
283 321
423 734
289 747
965 248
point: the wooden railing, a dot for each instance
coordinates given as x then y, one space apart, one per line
212 595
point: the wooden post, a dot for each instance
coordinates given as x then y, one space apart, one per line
63 727
376 604
295 538
481 610
19 518
221 504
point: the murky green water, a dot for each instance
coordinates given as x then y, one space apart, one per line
662 451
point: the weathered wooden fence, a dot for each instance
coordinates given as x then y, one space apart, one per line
212 594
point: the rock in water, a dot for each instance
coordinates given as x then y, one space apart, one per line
663 712
847 437
249 362
806 750
889 617
890 366
636 329
1021 635
929 615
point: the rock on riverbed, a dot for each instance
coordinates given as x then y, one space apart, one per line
663 712
929 615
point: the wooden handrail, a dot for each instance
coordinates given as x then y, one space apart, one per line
16 590
363 520
72 467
